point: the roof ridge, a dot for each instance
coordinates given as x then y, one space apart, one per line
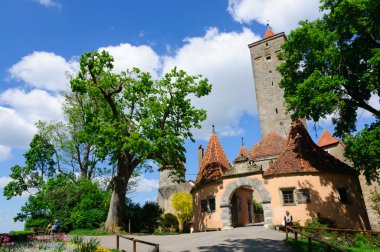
301 154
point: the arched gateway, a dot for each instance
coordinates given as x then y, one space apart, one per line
228 193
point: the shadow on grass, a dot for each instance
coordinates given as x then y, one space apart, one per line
261 245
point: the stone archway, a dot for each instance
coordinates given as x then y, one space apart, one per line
231 187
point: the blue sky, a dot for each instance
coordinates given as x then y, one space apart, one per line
41 40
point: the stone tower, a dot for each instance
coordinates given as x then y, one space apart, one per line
269 96
166 189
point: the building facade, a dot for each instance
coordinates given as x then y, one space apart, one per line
286 170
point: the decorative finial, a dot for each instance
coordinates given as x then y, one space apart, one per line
242 141
213 128
268 22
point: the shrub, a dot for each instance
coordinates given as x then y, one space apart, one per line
169 222
20 236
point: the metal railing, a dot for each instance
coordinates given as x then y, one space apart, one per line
135 241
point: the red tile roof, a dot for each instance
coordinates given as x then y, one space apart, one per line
214 163
243 153
302 155
270 145
268 33
326 139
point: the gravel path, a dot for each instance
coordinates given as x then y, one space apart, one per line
254 238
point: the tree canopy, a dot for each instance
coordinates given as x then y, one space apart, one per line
132 118
332 67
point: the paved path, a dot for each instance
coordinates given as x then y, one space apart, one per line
239 239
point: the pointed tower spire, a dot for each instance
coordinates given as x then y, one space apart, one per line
214 162
269 32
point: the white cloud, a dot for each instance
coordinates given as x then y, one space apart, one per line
44 70
19 111
5 152
146 185
224 59
128 56
4 181
35 105
49 3
15 130
283 15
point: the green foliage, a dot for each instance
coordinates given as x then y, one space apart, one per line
20 236
258 207
169 222
132 118
83 245
363 149
75 203
89 232
332 66
39 165
183 205
144 217
151 212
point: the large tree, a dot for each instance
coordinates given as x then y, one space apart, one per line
332 67
133 118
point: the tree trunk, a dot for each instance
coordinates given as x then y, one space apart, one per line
115 217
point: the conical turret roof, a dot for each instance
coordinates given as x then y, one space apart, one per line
268 32
326 139
243 154
214 163
302 155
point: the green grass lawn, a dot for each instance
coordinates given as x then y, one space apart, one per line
301 245
89 232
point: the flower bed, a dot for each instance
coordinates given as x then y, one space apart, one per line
49 243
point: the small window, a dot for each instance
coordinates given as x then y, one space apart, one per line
208 205
268 58
211 203
272 83
270 71
343 195
204 205
267 44
287 196
303 196
276 111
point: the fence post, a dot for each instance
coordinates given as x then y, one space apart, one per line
134 245
309 243
117 241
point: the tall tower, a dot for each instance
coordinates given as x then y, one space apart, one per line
269 96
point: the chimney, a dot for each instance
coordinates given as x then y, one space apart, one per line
200 155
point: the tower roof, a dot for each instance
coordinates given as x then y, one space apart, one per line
302 155
326 139
270 145
243 154
214 163
268 32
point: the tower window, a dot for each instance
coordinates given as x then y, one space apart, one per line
268 58
272 83
276 111
267 45
270 71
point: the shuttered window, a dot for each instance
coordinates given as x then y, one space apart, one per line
303 196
